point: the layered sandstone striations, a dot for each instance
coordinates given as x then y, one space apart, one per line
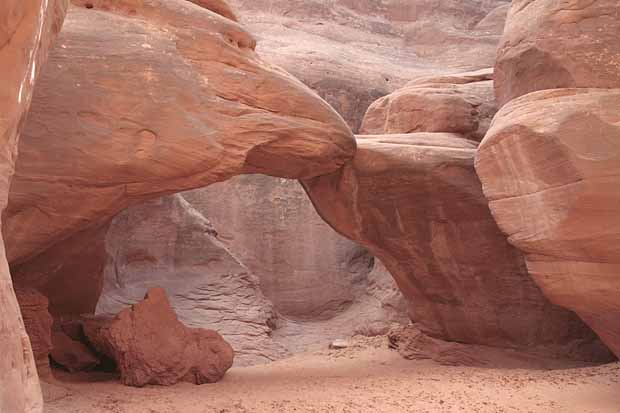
416 203
552 44
27 30
550 167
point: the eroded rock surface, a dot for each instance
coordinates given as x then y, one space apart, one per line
207 108
552 44
463 103
550 167
151 346
416 203
354 52
202 264
38 323
167 243
27 29
305 268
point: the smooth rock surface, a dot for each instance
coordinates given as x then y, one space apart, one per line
354 52
151 346
552 44
550 167
220 7
69 273
208 108
462 103
27 29
416 203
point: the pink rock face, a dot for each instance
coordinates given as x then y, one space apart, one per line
305 268
207 108
462 103
218 6
551 44
151 346
354 52
416 203
550 167
27 29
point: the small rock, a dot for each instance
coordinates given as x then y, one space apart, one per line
339 344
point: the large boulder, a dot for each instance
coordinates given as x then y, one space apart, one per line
151 346
27 29
354 52
416 203
207 108
462 103
550 167
551 44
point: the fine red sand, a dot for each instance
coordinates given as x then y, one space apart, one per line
367 377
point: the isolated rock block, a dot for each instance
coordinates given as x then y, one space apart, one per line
151 346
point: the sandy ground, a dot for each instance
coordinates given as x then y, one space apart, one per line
367 377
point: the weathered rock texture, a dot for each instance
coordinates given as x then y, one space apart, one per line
38 323
305 268
551 44
169 243
463 103
550 167
416 203
151 346
27 29
207 108
353 52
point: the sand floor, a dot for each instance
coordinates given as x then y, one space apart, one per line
365 378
